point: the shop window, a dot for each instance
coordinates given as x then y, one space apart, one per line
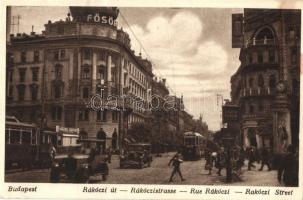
102 56
22 74
23 57
101 74
57 113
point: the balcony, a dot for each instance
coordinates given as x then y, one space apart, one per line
249 92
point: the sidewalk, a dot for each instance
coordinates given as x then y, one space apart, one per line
256 177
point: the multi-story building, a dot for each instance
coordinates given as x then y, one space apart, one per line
54 76
266 85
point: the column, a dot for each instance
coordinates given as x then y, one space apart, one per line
109 73
259 141
79 70
94 74
246 140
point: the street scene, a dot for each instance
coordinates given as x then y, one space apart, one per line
186 96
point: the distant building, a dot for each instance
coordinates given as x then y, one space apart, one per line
266 86
53 76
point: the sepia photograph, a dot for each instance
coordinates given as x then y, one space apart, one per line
153 96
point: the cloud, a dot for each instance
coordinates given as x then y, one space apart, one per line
174 44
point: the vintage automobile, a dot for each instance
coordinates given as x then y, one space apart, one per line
136 155
88 165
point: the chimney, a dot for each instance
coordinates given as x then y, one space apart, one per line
164 81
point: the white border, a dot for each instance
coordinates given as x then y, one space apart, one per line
75 190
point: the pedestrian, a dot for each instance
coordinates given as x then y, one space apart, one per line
265 157
209 161
70 165
220 161
109 155
289 167
251 158
176 161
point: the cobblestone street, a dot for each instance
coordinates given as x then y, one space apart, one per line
159 172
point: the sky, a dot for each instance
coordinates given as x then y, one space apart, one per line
190 47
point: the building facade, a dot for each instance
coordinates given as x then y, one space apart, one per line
53 77
266 86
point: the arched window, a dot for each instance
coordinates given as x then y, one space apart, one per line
58 71
260 81
85 72
265 36
57 91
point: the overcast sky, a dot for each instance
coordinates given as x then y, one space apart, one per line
189 47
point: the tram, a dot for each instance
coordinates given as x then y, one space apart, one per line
193 146
21 141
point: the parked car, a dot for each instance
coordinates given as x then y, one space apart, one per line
136 155
88 165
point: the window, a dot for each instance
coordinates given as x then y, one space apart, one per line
26 137
23 57
102 56
11 73
293 56
22 74
85 73
115 116
62 54
36 56
251 82
34 91
10 90
60 30
56 55
35 74
21 92
57 113
260 57
261 107
291 34
84 115
260 81
101 74
14 137
272 81
57 91
85 92
272 58
58 71
86 54
101 115
251 109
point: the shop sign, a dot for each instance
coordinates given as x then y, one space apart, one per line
97 18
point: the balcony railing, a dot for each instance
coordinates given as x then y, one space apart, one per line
264 41
257 91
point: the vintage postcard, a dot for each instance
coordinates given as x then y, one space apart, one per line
146 100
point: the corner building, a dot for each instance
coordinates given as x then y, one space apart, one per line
53 76
266 86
